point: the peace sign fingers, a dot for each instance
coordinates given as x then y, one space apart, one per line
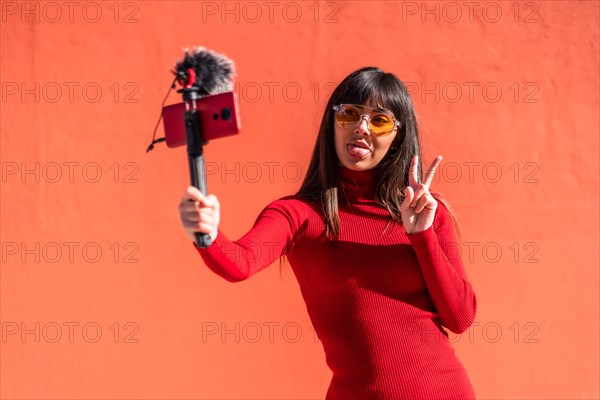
422 189
418 215
413 178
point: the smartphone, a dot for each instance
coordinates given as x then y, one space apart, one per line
218 114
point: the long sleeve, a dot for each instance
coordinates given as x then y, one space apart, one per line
269 238
378 301
444 273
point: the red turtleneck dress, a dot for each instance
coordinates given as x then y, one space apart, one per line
379 299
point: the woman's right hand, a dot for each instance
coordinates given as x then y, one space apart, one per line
199 213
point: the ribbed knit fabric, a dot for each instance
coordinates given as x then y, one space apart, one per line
377 298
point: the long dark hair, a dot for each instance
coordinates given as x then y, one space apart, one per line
321 179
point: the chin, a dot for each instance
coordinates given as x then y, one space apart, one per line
361 165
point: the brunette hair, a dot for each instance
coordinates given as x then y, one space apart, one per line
321 179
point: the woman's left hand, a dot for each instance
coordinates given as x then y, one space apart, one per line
418 207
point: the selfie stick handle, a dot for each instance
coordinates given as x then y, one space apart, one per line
196 162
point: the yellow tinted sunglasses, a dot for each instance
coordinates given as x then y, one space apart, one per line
381 121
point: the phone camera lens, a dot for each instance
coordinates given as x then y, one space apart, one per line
226 114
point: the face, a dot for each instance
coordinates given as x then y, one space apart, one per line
357 148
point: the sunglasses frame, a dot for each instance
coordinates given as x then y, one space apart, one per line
377 111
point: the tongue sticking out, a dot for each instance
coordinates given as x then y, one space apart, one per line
357 151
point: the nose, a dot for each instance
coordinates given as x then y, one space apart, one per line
363 126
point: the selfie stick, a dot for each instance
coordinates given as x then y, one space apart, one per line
201 73
195 141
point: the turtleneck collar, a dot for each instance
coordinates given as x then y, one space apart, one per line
357 184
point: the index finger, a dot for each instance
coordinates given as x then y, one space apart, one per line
431 171
413 172
193 194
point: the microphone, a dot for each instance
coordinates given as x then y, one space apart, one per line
210 72
201 73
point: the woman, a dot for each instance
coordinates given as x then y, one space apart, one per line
369 245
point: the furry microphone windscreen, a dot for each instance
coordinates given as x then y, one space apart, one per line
214 72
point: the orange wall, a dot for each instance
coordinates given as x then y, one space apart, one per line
514 94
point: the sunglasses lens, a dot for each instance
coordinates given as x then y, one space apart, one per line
381 124
347 116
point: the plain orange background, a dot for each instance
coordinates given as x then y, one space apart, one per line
507 92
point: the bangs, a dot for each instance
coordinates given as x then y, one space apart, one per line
377 87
